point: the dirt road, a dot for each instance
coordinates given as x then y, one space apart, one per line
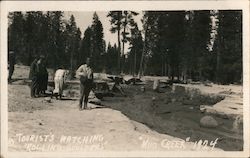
35 117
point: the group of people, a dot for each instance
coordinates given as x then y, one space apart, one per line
39 76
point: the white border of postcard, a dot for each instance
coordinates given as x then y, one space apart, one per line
7 6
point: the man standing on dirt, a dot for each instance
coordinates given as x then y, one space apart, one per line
34 77
85 74
11 64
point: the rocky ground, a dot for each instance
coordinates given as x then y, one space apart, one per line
140 121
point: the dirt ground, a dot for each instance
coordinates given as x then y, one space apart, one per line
139 121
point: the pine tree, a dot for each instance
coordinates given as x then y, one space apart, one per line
85 48
229 47
115 20
97 43
16 39
73 40
111 57
136 46
128 23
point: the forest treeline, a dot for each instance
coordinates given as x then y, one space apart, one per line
197 45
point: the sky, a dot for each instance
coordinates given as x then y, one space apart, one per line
84 19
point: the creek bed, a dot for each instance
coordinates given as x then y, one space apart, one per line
176 113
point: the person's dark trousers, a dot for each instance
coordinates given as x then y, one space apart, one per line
85 88
34 86
44 83
11 70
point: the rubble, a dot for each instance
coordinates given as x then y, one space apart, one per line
47 99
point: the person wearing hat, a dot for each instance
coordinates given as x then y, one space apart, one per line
85 74
33 75
11 64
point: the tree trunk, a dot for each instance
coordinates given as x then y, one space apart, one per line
142 55
119 49
123 43
184 74
142 58
134 72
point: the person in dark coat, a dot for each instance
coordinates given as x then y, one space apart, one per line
34 77
11 64
42 75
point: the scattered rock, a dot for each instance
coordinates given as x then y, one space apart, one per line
202 108
112 130
95 101
66 93
187 102
228 92
142 89
47 99
211 111
208 84
167 100
191 108
173 100
40 123
208 122
92 95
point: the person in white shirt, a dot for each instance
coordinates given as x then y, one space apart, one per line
85 74
59 80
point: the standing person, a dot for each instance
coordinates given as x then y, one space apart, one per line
34 77
44 76
59 80
11 64
85 74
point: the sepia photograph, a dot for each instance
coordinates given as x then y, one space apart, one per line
145 80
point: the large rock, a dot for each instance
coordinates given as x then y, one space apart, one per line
208 122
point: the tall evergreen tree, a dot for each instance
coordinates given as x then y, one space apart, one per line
111 59
136 46
115 20
228 47
16 34
128 23
72 43
85 47
97 43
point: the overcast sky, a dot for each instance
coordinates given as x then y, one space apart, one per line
84 19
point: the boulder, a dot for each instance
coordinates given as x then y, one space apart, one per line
208 122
